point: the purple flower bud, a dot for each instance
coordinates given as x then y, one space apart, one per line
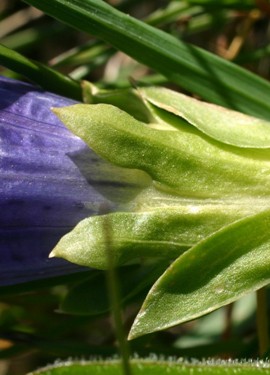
50 180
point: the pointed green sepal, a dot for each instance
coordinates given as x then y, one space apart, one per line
222 124
185 161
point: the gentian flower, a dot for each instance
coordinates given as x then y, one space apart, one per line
50 180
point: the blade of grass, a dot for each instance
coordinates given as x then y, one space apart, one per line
232 4
48 78
84 54
24 39
194 69
17 20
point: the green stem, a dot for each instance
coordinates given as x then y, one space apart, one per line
262 321
113 290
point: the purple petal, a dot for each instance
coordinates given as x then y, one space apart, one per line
50 180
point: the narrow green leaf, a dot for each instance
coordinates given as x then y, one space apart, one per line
47 78
233 4
82 54
224 125
156 367
194 69
217 271
171 13
32 36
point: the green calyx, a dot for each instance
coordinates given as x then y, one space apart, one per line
183 161
208 193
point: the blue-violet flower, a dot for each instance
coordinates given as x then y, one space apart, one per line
50 180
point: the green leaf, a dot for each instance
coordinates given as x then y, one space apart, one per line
47 78
132 237
90 297
156 367
215 272
224 125
164 227
83 54
128 100
234 4
194 69
183 161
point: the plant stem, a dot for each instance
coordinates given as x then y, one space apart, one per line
262 321
113 290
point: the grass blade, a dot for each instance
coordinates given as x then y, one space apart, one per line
194 69
47 78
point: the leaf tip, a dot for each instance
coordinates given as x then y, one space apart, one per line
56 110
136 330
52 254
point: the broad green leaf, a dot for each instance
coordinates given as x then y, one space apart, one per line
194 69
156 367
224 125
185 161
217 271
